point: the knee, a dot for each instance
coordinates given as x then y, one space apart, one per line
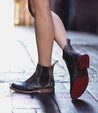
41 4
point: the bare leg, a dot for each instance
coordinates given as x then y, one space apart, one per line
44 31
60 35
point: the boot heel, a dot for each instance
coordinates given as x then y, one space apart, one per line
84 61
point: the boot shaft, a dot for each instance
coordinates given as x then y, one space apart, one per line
45 75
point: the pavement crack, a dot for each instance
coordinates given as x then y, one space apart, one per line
24 46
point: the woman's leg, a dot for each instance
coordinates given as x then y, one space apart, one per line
77 64
60 32
42 80
44 31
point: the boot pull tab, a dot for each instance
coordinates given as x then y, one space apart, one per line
55 62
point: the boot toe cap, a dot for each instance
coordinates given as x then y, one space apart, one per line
19 86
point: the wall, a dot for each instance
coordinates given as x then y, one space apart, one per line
79 15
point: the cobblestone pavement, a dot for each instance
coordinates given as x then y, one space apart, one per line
18 59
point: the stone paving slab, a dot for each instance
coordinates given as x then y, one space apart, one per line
93 90
60 102
24 111
5 105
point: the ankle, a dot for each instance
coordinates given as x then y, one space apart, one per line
44 64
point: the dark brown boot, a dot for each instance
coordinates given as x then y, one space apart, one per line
77 65
42 81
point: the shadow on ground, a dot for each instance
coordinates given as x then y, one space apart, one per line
83 106
47 103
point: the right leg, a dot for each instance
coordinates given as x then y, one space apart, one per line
42 80
77 64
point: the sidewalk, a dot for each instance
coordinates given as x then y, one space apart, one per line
18 61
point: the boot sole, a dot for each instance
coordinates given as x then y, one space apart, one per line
79 87
35 91
81 83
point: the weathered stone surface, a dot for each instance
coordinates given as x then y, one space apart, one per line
21 63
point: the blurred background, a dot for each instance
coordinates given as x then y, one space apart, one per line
77 15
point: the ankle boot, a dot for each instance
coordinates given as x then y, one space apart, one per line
77 65
41 81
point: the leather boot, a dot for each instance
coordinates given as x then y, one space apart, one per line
41 81
77 65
